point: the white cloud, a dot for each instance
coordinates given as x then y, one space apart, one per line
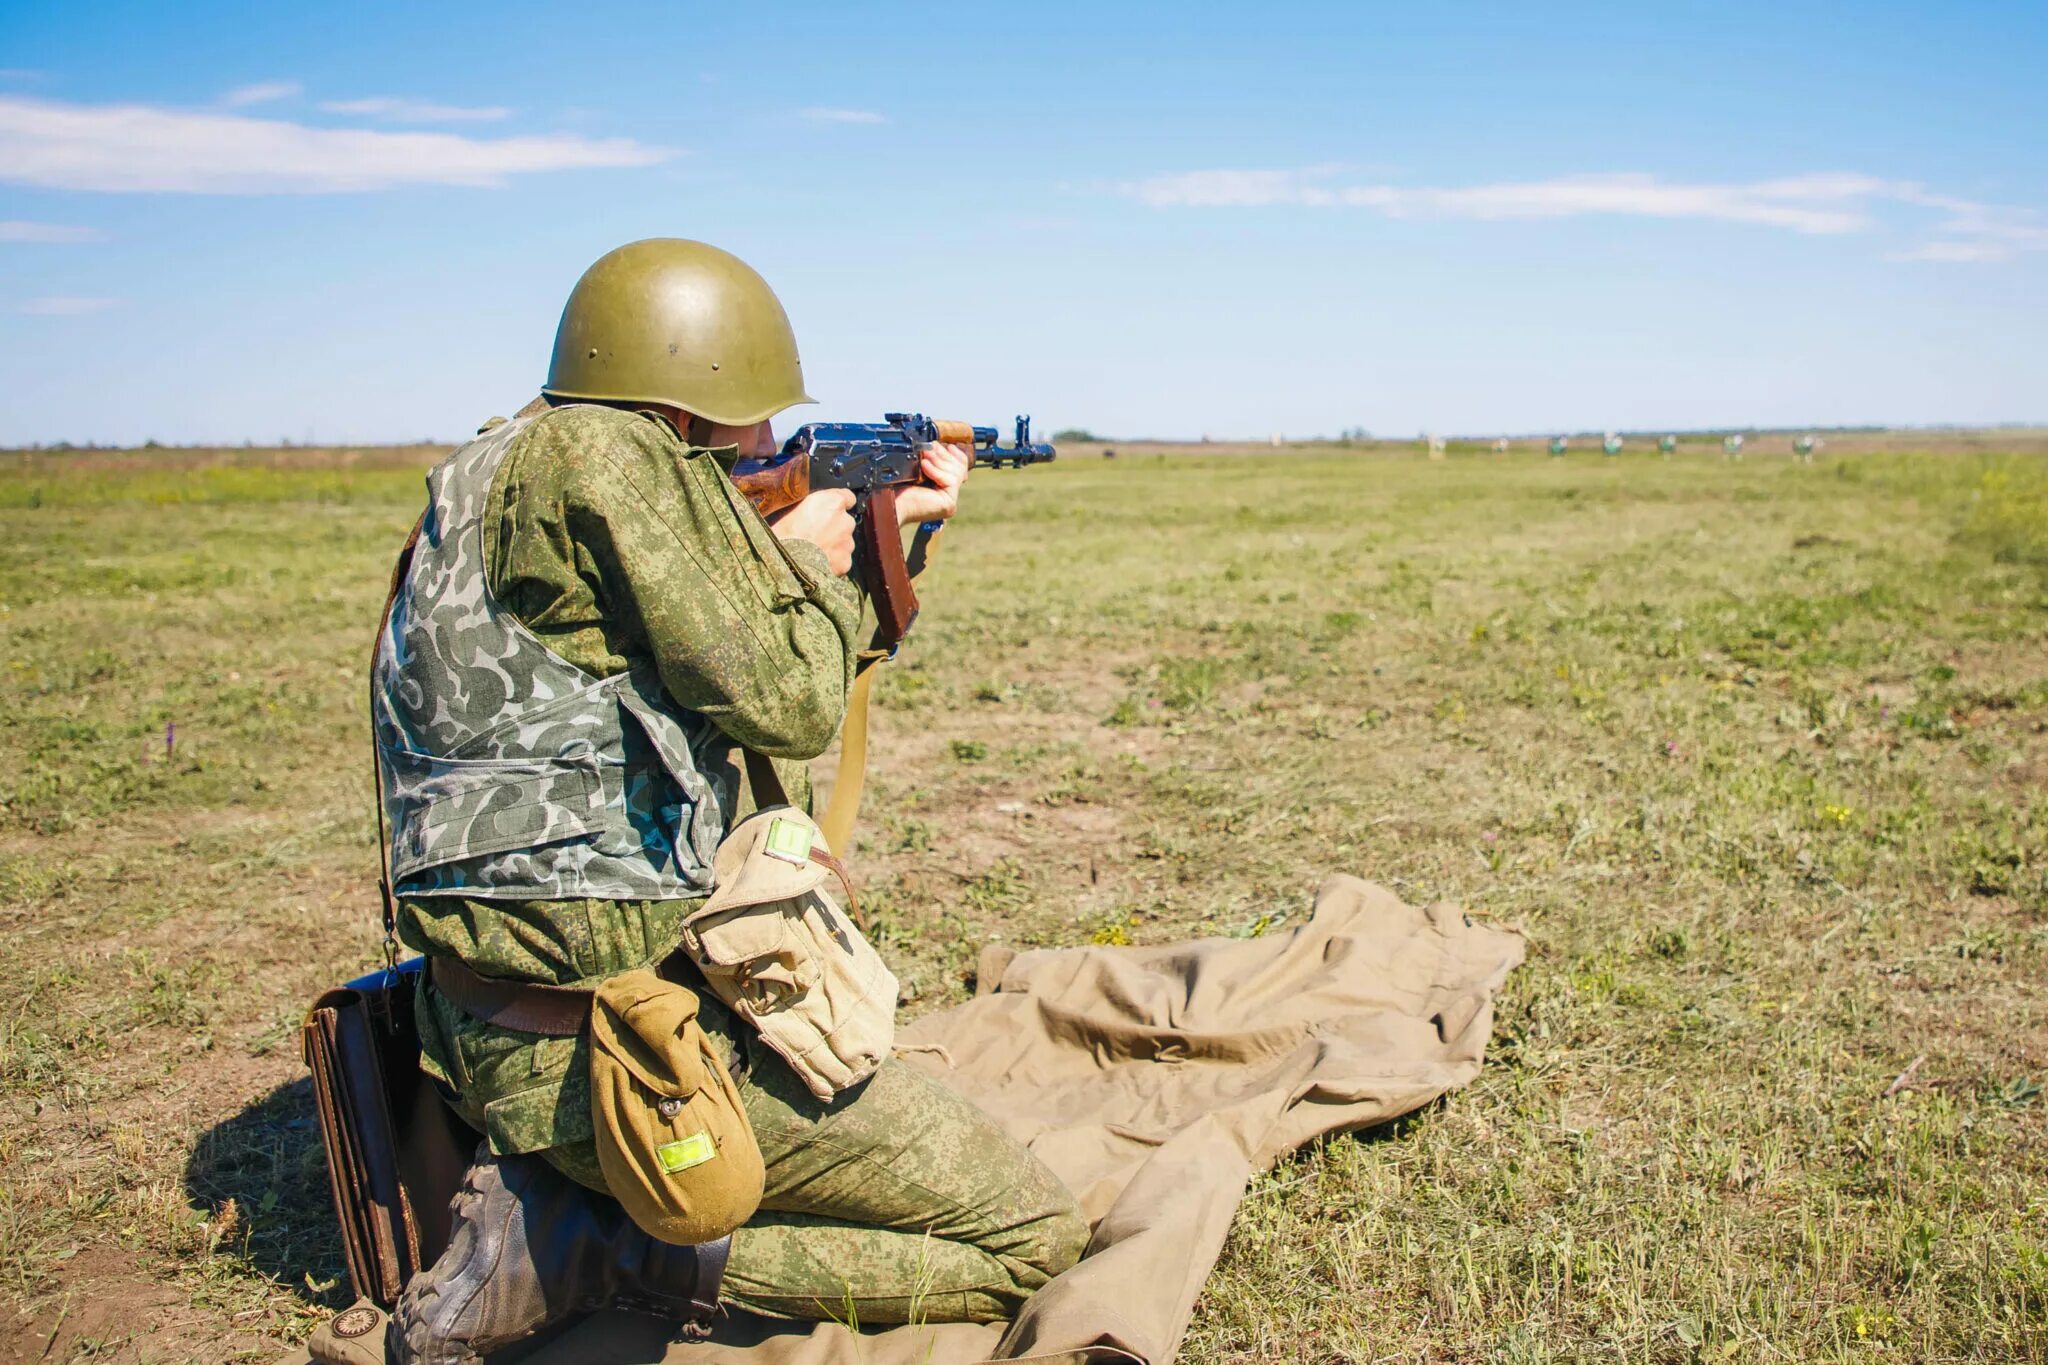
1814 203
819 114
1974 232
1828 203
65 306
262 92
396 110
1956 252
18 230
144 148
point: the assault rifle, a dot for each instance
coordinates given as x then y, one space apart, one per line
873 460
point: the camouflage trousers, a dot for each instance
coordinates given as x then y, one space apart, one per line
898 1201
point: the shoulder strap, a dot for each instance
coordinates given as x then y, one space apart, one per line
399 571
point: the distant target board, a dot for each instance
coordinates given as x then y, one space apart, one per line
1731 446
1610 444
1558 445
1667 444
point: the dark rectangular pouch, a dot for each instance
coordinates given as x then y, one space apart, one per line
395 1152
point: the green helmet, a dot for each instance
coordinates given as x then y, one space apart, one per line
679 323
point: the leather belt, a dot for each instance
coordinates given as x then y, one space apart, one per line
527 1006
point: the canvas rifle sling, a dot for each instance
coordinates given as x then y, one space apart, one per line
842 809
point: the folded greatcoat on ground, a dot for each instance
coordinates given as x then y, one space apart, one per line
1156 1082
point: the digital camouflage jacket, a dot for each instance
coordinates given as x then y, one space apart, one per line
594 618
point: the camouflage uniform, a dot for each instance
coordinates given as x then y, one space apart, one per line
594 617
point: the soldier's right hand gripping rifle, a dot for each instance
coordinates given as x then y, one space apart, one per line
873 460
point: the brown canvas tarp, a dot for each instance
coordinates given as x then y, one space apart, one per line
1156 1082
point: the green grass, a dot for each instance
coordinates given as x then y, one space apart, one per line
1753 752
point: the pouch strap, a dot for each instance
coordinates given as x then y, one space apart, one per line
761 777
711 1259
838 869
524 1006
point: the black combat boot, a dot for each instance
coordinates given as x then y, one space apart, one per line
530 1247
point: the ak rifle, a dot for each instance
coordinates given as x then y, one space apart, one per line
872 460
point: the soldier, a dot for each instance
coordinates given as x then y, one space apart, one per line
595 630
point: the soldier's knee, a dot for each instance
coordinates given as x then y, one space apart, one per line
1066 1237
1046 1247
1053 1241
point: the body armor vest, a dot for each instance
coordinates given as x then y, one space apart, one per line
507 771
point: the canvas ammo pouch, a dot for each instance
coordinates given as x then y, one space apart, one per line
774 944
672 1139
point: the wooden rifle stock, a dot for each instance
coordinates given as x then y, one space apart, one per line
780 485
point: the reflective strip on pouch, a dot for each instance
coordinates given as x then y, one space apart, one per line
681 1155
789 840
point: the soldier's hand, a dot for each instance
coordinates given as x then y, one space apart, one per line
825 519
944 468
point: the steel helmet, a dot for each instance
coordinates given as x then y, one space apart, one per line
679 323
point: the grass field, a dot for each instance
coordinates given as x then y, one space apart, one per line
1754 753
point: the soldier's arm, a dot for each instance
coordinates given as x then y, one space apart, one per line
754 633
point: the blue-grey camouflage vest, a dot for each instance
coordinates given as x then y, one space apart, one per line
508 772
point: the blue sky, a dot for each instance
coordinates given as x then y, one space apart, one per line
358 223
